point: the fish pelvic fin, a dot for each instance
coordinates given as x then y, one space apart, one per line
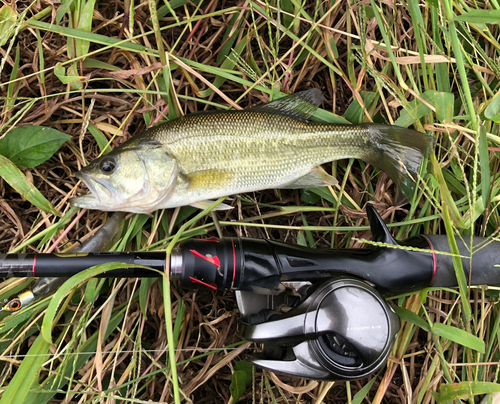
205 204
299 106
398 152
316 178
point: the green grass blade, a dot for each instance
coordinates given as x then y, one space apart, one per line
446 197
92 37
480 17
20 385
465 390
17 180
457 265
85 24
459 336
410 316
484 160
72 282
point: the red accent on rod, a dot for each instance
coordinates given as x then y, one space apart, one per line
34 265
213 260
212 239
433 259
208 285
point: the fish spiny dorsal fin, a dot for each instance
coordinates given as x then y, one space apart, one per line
299 105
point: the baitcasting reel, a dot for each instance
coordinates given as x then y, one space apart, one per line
342 329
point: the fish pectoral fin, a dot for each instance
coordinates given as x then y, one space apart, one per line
208 178
316 178
300 105
207 203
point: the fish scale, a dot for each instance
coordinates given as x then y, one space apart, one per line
203 156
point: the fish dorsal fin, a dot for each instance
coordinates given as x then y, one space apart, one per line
299 105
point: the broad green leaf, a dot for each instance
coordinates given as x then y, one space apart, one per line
18 388
450 392
411 317
8 18
240 379
17 180
238 386
29 146
480 17
459 336
245 366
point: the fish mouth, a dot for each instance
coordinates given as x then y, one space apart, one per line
100 192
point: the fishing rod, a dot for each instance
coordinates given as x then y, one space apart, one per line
318 312
261 266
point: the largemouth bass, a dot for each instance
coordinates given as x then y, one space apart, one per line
203 156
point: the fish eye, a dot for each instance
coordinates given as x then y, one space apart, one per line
107 166
15 305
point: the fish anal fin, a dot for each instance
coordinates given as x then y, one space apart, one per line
300 105
207 203
316 178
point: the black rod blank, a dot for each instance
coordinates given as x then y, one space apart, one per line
66 265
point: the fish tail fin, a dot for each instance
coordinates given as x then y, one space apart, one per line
398 152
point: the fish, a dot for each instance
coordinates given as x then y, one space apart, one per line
197 158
